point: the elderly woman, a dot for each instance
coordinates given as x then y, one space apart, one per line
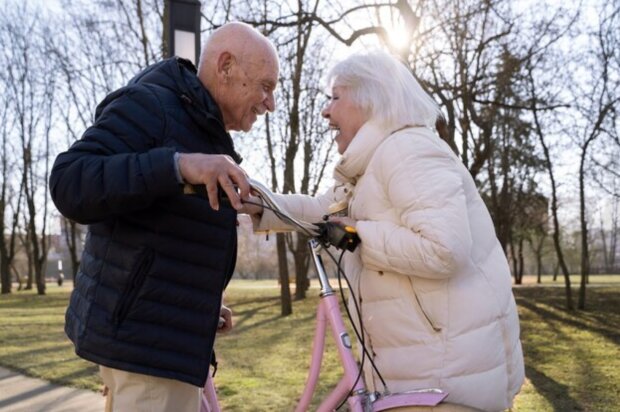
432 280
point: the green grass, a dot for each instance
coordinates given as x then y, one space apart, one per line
572 359
32 339
264 360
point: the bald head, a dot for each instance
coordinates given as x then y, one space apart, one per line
237 64
239 39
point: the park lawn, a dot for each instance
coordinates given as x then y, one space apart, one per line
572 359
32 339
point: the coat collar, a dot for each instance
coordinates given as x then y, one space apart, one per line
180 76
355 159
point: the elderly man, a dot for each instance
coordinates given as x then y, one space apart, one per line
148 293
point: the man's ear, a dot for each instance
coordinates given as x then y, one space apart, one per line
225 63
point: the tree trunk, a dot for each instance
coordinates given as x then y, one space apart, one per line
5 274
70 229
38 243
585 252
30 276
556 240
18 279
538 253
7 253
302 261
513 259
40 278
519 279
613 235
285 291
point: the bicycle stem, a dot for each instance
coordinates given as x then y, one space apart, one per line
315 248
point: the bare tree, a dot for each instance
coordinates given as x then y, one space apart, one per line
283 273
605 172
512 165
10 189
484 63
31 85
302 144
536 100
97 48
130 31
471 55
543 89
453 49
303 136
596 106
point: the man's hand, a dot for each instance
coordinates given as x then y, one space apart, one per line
225 324
252 206
214 170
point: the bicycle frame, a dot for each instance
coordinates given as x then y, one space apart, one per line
329 315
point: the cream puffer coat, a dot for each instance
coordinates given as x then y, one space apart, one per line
432 279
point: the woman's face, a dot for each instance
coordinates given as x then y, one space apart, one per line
344 117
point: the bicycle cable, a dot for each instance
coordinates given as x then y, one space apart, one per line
363 337
360 335
282 216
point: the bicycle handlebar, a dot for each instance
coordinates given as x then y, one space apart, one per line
327 233
268 198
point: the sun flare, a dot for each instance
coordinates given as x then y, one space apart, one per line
399 36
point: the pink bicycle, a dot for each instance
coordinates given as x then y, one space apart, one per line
351 389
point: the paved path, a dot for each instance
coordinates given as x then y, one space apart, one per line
19 393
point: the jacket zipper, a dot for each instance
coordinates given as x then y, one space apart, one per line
134 285
428 318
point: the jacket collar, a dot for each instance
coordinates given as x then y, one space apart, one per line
353 162
179 75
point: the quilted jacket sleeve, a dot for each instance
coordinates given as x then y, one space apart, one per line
423 185
117 166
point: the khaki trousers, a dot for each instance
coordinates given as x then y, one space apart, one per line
133 392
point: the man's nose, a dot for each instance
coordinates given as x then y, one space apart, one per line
270 102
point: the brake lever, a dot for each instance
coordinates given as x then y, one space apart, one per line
338 235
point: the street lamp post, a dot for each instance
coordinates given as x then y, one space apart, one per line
182 29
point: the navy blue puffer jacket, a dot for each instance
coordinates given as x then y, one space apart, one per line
156 261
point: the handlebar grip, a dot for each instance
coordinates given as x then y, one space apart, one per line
338 235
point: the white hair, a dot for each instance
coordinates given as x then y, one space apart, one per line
385 89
